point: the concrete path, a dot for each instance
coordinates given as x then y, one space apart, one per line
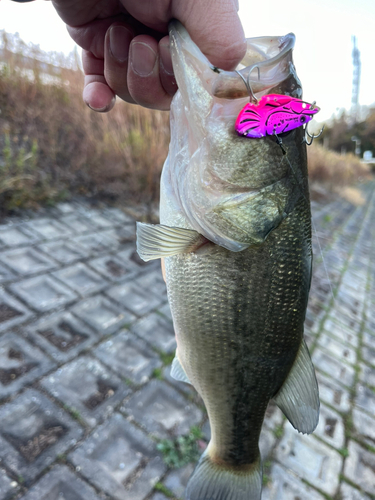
85 343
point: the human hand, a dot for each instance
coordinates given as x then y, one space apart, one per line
126 52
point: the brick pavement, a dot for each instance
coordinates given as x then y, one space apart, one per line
86 341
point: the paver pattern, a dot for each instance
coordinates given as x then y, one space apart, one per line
86 342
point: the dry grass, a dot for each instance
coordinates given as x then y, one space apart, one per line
334 169
52 145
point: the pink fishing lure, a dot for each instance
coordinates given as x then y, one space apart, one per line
272 114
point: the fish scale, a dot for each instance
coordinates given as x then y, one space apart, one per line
205 298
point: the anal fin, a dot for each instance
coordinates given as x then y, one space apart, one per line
155 241
298 397
177 371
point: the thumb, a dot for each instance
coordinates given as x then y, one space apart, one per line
215 27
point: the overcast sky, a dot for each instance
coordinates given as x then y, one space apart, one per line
323 47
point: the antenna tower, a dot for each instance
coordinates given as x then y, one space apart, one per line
356 78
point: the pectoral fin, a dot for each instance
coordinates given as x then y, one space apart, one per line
155 241
298 397
177 371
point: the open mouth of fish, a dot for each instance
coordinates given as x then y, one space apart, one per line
218 177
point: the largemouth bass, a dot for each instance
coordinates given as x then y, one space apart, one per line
235 235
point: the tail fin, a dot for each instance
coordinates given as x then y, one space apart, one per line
216 482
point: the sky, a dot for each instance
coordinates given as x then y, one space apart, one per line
322 54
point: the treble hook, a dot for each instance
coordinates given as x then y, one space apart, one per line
312 137
247 82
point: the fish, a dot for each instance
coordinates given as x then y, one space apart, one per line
235 241
274 114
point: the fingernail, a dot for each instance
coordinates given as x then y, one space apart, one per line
166 60
143 58
104 109
119 42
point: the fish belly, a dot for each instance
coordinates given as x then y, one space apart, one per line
238 318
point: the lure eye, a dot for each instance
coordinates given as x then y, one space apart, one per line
302 119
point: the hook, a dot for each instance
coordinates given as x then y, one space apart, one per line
312 137
247 82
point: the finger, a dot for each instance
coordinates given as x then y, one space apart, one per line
144 82
167 78
116 57
215 27
96 93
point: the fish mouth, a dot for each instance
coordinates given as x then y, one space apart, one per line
266 68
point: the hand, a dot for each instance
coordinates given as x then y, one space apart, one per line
126 52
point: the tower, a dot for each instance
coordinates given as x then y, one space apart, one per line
356 55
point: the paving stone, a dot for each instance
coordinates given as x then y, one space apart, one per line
365 398
66 207
81 279
103 315
124 235
177 480
360 467
134 297
116 215
312 460
97 219
20 364
12 236
33 432
77 224
64 252
346 322
86 386
267 441
12 312
158 496
347 311
120 460
162 411
61 484
368 339
166 311
343 374
5 274
7 487
368 354
26 261
340 351
43 293
340 332
365 426
284 485
62 335
347 492
111 267
274 416
367 374
331 427
333 394
128 356
49 228
157 331
130 257
95 243
153 281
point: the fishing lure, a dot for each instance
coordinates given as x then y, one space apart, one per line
274 114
